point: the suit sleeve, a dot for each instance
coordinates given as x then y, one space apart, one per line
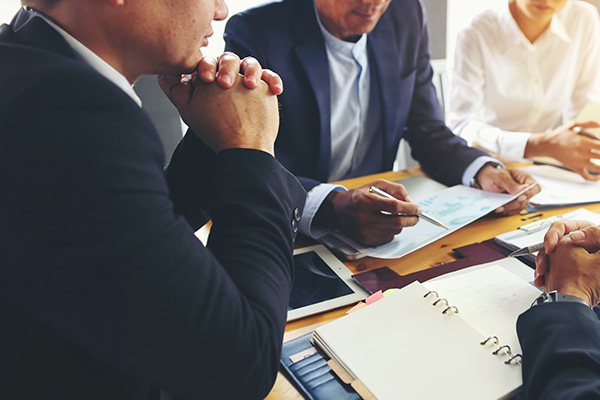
117 272
192 163
561 351
442 155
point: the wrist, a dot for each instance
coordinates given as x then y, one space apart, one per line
532 148
540 145
325 215
475 182
573 296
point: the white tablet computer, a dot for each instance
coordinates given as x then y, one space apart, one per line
321 283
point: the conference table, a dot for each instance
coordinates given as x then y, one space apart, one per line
430 256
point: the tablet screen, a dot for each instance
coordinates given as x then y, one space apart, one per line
314 281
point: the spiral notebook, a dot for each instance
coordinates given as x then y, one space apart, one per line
458 342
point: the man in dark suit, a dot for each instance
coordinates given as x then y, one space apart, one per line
560 334
105 292
358 80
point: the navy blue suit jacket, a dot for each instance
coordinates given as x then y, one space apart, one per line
285 37
104 290
561 352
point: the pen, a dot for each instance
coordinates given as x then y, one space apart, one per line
426 217
528 249
581 131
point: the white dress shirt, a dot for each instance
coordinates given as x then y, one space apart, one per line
503 87
90 58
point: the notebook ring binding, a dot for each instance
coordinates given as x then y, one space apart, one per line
433 292
494 340
504 346
517 358
435 303
453 308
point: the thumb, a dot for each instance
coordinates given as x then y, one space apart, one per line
587 237
176 89
507 183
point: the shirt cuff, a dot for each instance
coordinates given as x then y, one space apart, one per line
474 168
506 144
512 146
314 199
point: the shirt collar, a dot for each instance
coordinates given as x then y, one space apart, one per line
558 28
349 49
97 63
516 37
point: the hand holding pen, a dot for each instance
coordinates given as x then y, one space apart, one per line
426 217
357 213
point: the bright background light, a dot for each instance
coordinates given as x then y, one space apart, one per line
460 13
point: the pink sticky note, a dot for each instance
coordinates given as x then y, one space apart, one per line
374 297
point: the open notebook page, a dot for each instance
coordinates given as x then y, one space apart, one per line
403 347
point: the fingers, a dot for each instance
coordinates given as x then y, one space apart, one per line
541 263
396 201
372 218
559 229
228 69
514 181
177 89
573 270
207 69
587 175
584 125
252 72
397 190
228 66
588 237
273 80
498 180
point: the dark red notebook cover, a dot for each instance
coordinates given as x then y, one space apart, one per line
478 253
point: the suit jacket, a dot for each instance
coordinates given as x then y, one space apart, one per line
285 37
104 289
561 352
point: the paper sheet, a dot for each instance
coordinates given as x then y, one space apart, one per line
456 206
561 187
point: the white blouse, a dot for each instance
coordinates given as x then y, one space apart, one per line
503 87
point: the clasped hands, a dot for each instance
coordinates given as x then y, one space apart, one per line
570 261
224 108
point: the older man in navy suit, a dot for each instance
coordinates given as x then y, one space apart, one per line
105 292
358 80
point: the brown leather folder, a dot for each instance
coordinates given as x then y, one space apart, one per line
477 253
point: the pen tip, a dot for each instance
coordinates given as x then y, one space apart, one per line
445 226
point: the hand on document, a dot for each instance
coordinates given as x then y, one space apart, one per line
512 181
571 260
366 216
572 145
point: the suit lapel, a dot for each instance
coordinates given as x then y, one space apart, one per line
312 56
384 57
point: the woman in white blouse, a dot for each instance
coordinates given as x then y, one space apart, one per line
519 74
